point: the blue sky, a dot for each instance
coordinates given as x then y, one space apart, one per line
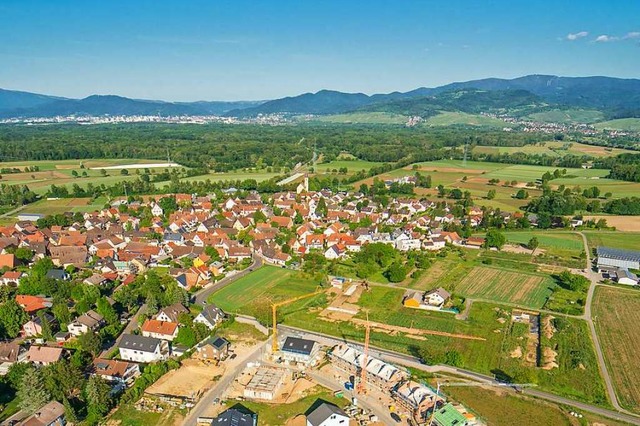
215 50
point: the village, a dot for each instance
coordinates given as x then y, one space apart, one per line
138 274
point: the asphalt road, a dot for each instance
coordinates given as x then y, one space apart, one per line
217 391
202 295
414 362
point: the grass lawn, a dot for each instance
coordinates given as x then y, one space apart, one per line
502 408
562 244
126 415
617 313
237 331
278 414
615 239
253 293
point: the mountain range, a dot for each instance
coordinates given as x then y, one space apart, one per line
615 97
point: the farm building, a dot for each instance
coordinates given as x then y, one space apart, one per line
616 258
265 384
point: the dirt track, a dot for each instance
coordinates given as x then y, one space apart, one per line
386 328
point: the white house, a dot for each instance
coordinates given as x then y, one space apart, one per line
300 351
156 210
210 316
143 349
89 321
410 244
164 330
436 297
327 415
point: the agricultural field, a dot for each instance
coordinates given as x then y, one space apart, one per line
447 118
620 223
530 290
63 205
617 314
363 118
629 124
554 149
567 116
258 175
253 293
352 166
561 244
620 240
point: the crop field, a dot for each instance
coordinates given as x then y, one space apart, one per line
617 314
364 118
63 205
563 244
568 116
447 118
259 176
506 286
554 149
620 240
621 223
253 293
632 124
352 166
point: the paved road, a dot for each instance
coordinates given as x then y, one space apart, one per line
14 211
217 391
202 295
414 362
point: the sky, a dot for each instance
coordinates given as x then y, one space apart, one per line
182 50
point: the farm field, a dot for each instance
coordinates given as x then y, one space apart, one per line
259 176
567 116
364 118
619 336
253 293
447 118
63 205
352 166
620 240
506 286
555 149
562 244
632 124
621 223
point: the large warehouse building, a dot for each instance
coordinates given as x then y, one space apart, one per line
615 258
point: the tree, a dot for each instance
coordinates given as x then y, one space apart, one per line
522 194
61 314
32 392
533 244
11 318
186 336
491 194
453 358
495 238
90 342
97 392
104 308
124 172
396 272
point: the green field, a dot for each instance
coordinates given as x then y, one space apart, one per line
554 149
253 293
259 176
503 285
351 165
562 244
617 313
567 116
629 124
447 118
363 118
620 240
63 205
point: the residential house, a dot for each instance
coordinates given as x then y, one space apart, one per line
171 313
58 274
51 414
327 414
210 316
436 297
300 351
11 278
142 349
10 353
32 304
164 330
89 321
7 261
33 327
44 355
119 374
415 398
235 417
213 348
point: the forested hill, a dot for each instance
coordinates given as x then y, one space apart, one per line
615 97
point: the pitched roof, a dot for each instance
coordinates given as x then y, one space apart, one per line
45 415
235 417
173 311
139 343
160 327
323 412
44 354
297 345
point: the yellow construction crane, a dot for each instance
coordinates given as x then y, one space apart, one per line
362 389
274 312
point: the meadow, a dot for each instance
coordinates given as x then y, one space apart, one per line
63 205
620 240
449 118
363 118
630 124
554 243
554 149
619 336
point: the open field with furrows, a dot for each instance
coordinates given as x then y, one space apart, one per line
554 149
253 293
615 239
630 124
506 286
259 176
450 118
617 314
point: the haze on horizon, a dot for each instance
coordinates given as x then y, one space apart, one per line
241 50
